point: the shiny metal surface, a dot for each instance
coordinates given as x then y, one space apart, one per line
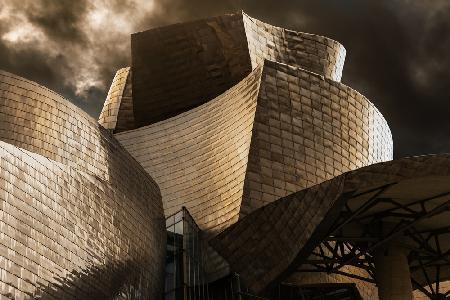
305 130
199 158
181 66
312 52
308 129
119 98
275 240
79 217
270 135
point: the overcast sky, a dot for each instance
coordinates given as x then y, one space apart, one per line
398 51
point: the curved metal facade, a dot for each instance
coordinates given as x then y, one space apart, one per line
312 52
308 129
247 126
80 218
116 100
199 158
179 67
224 143
265 138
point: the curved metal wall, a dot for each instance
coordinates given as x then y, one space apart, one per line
308 129
119 98
179 67
80 218
312 52
270 135
199 158
272 242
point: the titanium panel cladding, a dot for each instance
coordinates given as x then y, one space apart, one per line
79 217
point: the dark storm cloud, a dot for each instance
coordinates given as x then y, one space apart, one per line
398 51
60 20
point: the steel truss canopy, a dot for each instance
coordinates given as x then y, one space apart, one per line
405 202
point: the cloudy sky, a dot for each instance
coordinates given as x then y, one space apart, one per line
398 51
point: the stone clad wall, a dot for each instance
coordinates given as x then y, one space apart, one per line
307 130
79 217
312 52
199 158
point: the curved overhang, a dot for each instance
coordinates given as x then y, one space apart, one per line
119 98
199 157
411 195
308 51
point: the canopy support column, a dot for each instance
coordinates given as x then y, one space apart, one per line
392 273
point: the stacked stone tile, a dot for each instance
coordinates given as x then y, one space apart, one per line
80 218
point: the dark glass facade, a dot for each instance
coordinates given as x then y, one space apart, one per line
185 277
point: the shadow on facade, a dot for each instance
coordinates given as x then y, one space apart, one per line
125 284
186 278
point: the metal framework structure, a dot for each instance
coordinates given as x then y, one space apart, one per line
427 258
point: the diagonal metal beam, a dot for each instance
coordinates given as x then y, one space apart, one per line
432 212
368 204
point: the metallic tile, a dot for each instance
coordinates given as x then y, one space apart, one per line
79 217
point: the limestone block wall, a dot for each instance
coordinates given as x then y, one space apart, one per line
307 130
199 158
79 217
312 52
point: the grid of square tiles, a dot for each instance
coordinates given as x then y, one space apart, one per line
314 53
92 220
307 130
199 158
110 111
211 55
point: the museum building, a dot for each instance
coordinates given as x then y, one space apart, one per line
228 162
